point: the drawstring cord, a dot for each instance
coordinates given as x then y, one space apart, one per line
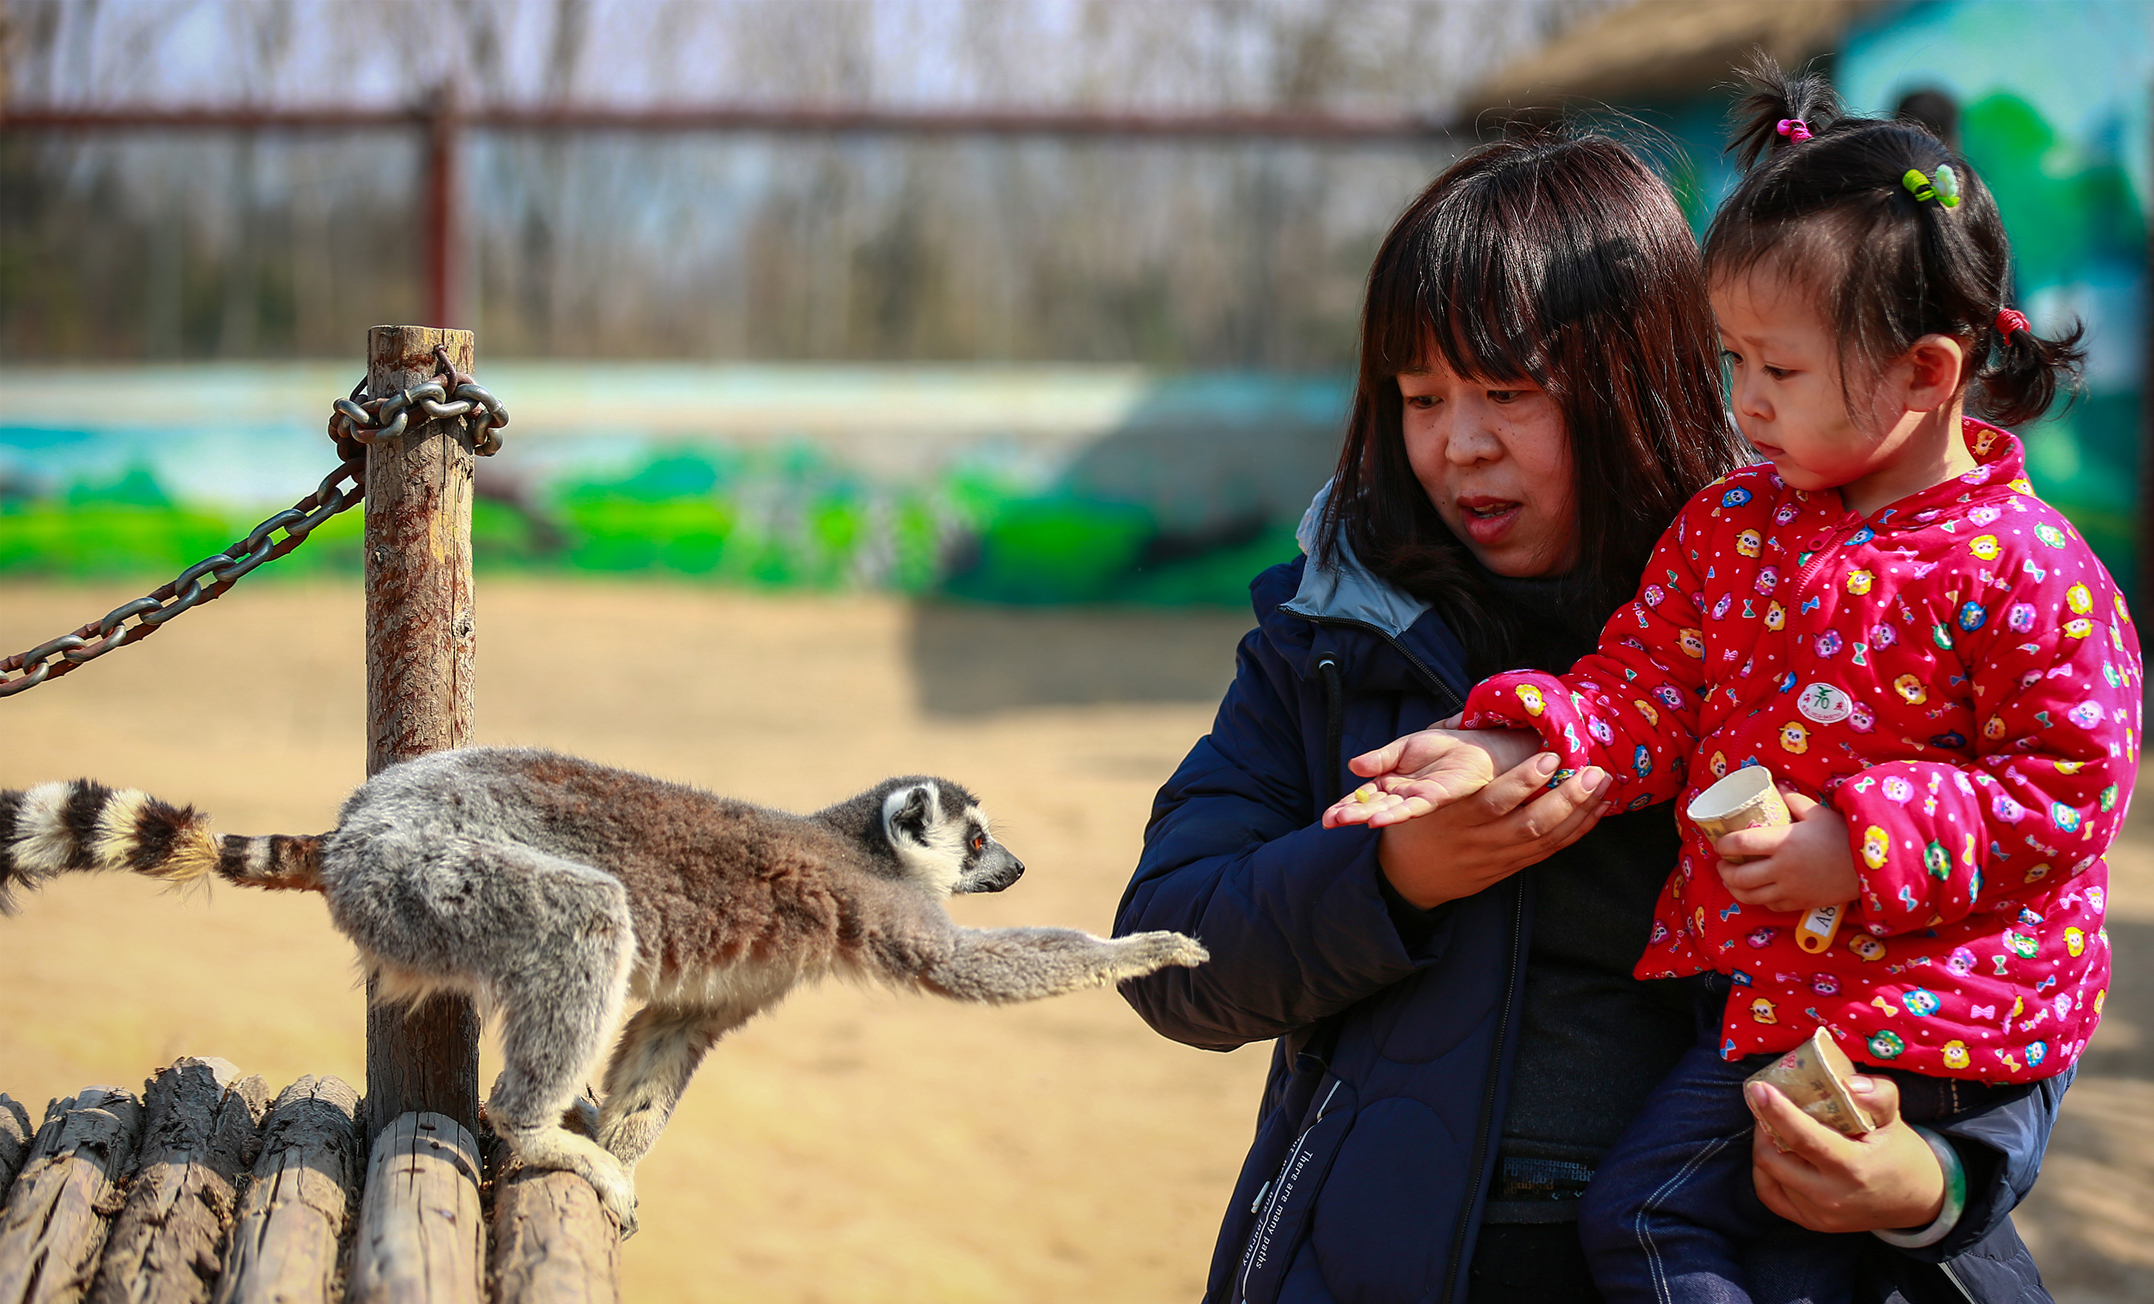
1327 667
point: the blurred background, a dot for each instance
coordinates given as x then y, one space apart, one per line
1037 301
930 376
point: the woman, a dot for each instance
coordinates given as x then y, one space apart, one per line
1457 1043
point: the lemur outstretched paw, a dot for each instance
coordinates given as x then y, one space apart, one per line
1141 953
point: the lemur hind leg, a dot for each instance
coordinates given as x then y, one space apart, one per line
548 940
555 1012
1024 964
658 1052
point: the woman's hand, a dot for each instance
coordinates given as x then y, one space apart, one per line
1451 825
1512 822
1797 866
1888 1179
1410 777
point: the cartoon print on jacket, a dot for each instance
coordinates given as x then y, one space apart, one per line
1967 701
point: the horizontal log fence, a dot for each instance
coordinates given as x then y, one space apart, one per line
206 1189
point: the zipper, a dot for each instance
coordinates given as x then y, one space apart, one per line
1801 585
1443 690
1277 1186
1817 557
1488 1094
1450 703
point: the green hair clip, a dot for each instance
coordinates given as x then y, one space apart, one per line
1945 190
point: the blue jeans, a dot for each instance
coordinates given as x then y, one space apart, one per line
1672 1215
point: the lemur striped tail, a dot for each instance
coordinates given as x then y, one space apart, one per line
81 825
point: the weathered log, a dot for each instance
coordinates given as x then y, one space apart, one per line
285 1247
62 1202
421 636
15 1136
422 1234
553 1242
202 1129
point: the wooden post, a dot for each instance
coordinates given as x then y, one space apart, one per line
60 1208
15 1134
553 1242
284 1244
419 656
422 1234
201 1128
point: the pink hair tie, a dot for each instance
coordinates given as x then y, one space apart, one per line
1794 129
2010 321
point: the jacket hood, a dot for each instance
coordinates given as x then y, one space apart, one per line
1349 591
1383 637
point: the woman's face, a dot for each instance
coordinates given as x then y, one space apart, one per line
1495 459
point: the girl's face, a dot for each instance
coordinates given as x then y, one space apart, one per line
1792 406
1495 459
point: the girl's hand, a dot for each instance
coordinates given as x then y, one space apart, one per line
1888 1179
1804 865
1415 775
1514 822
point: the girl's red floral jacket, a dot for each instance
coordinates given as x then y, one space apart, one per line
1957 677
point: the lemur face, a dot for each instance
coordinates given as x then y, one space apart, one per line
989 866
942 838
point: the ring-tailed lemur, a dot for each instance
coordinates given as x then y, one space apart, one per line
552 889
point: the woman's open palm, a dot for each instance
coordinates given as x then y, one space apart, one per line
1416 775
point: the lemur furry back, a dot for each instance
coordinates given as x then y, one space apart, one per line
552 889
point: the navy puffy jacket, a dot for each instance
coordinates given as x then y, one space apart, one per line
1376 1138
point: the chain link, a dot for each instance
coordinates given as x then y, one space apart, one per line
357 422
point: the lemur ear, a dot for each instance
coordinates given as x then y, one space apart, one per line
907 813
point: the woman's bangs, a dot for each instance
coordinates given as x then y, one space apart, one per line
1393 337
1485 270
1474 351
1477 311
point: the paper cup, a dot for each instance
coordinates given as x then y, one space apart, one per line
1745 799
1814 1075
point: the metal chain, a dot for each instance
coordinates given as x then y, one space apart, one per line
357 421
205 581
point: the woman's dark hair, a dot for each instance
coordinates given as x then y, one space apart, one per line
1564 260
1833 215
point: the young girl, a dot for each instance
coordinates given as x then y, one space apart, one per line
1928 657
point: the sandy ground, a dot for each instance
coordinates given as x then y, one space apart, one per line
854 1145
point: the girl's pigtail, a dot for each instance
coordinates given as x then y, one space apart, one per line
1778 111
2028 370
